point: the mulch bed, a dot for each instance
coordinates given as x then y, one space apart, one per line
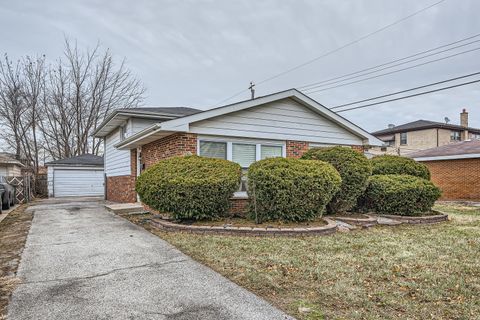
13 235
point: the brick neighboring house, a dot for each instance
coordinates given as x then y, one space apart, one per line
284 124
455 168
423 134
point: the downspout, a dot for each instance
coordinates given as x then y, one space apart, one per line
437 137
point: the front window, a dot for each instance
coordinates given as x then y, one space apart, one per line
403 138
213 149
455 136
244 154
270 152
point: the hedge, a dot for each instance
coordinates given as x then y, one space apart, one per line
353 167
290 189
388 164
400 194
189 187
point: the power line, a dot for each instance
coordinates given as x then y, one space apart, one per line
350 43
407 90
316 84
338 48
395 71
411 96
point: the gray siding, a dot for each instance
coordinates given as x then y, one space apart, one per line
280 120
117 162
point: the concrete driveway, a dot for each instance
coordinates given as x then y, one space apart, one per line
82 262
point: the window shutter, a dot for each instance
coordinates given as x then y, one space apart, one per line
271 152
213 149
244 154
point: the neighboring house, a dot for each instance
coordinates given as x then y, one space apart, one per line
424 134
9 165
284 124
455 168
76 176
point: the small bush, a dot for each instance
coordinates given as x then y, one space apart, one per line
189 187
388 164
353 167
291 189
400 194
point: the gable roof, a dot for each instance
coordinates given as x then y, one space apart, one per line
422 124
119 116
82 160
458 150
9 158
182 124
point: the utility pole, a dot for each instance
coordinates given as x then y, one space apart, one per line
252 89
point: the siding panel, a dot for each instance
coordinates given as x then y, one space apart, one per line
281 120
117 162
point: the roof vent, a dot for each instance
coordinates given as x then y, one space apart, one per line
391 126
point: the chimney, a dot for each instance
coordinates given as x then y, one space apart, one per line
464 118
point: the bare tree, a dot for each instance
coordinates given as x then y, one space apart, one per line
55 108
85 88
12 106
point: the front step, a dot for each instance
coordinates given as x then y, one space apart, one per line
125 208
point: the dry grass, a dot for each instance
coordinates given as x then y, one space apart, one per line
406 272
13 234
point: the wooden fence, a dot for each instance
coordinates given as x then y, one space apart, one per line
23 187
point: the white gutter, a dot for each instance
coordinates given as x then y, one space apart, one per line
451 157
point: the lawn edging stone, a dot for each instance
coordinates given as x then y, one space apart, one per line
330 228
368 221
430 219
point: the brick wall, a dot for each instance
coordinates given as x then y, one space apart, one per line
122 188
238 207
177 144
296 149
458 179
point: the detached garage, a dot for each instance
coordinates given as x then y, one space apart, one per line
78 176
455 169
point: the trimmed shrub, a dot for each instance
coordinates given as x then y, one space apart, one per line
353 167
189 187
400 194
290 189
388 164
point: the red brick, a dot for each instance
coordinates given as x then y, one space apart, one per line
458 179
177 144
296 149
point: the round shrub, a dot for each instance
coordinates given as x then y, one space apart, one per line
388 164
189 187
400 194
290 189
353 167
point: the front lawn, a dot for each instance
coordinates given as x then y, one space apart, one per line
403 272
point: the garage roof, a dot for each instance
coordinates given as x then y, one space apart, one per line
82 160
459 150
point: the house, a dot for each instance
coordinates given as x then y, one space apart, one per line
455 168
424 134
9 165
283 124
76 176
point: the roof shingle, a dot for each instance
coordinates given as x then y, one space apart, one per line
453 149
82 160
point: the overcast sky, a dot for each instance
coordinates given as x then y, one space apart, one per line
197 53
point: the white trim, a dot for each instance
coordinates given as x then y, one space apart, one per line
451 157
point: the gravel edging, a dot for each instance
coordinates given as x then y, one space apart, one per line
330 228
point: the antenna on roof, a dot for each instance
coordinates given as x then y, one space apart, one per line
252 89
447 120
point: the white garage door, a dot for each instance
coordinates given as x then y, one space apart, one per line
75 182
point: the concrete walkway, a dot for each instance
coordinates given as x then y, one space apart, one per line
82 262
